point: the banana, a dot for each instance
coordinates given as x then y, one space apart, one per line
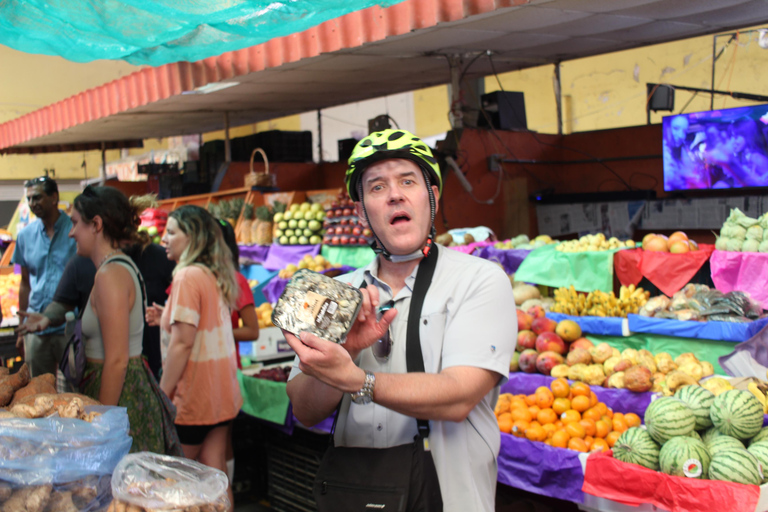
752 387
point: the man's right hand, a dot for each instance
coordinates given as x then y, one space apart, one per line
35 322
154 314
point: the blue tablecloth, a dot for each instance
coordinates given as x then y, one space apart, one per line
604 326
721 331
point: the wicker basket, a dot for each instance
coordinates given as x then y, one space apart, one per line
257 179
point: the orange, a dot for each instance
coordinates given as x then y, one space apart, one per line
575 430
619 423
519 427
505 397
560 388
544 398
501 407
632 419
592 414
560 439
580 403
592 399
577 444
612 437
602 428
559 424
560 405
548 442
588 441
600 407
609 412
570 416
534 410
546 416
534 423
517 402
550 428
505 422
535 433
599 445
589 426
580 389
521 414
530 400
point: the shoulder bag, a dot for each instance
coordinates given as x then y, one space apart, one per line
399 479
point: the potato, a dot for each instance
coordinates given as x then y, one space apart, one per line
616 381
575 372
609 364
561 370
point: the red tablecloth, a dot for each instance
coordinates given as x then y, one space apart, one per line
668 272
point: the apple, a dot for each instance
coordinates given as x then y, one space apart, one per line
344 222
347 230
303 240
549 341
331 214
293 240
352 241
282 225
304 207
367 233
581 343
357 231
279 233
514 364
309 215
544 324
346 212
524 321
326 240
315 239
294 208
344 241
157 240
143 229
293 223
289 232
283 240
536 311
336 240
320 215
527 360
314 225
334 204
302 224
339 212
288 215
152 231
548 360
339 230
525 340
316 207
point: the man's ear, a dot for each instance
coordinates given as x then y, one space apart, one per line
436 191
360 216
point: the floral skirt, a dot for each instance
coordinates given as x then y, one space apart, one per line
144 409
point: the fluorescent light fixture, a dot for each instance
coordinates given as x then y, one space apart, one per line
213 87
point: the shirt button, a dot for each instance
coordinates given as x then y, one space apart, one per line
380 427
425 321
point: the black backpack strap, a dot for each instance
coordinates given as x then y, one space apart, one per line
413 355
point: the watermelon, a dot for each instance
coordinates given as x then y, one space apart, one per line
684 456
695 435
760 451
668 417
720 443
734 465
636 446
699 400
710 434
737 413
761 436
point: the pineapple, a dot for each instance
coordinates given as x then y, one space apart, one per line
245 226
235 208
214 209
261 229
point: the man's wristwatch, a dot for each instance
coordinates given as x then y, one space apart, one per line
365 395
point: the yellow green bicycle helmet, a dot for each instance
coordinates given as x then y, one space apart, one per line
386 144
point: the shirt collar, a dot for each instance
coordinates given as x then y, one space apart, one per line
56 225
371 275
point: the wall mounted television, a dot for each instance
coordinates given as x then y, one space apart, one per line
717 149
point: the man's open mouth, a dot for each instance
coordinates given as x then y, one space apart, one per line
399 218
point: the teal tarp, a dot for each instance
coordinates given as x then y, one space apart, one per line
156 32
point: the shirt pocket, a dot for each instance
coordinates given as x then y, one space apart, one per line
432 332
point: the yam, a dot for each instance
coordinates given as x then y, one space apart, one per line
45 383
61 501
11 383
60 399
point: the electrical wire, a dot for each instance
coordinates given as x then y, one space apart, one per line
533 134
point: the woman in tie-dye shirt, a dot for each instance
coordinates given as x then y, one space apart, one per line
199 368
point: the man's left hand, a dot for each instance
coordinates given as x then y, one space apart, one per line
326 361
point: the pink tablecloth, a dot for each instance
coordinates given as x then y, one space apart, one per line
744 271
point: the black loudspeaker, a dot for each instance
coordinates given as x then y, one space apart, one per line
661 97
345 148
506 110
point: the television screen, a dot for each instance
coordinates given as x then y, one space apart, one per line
716 149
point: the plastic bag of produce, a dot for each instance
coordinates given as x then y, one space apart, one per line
654 305
151 481
59 464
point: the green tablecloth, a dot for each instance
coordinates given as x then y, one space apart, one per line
264 399
586 271
357 257
705 350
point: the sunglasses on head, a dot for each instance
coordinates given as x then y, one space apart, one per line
383 347
36 181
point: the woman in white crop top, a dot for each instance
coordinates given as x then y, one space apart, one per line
103 220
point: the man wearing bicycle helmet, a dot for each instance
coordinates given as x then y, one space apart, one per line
466 327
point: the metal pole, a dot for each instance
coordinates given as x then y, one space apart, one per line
712 85
103 163
319 137
227 144
457 121
558 99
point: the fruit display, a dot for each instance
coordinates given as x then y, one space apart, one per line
699 302
563 416
676 442
264 314
676 243
743 234
342 227
598 303
301 224
523 242
596 242
261 226
227 209
315 264
276 374
9 294
153 221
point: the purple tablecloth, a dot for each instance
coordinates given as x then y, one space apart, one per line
274 289
282 255
541 469
620 400
510 259
255 253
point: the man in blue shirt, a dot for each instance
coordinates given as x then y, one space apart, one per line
43 249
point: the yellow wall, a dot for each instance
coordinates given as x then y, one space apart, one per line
30 82
290 123
430 111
